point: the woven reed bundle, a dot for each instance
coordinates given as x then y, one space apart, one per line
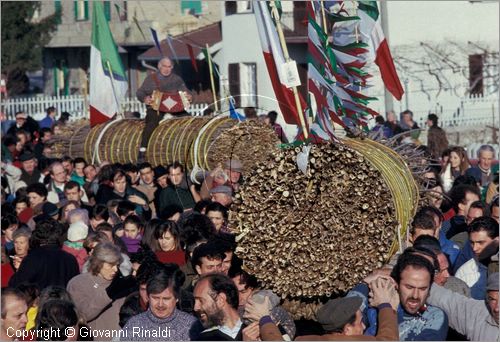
63 144
201 141
308 236
244 142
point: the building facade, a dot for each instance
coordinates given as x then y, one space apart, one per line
66 58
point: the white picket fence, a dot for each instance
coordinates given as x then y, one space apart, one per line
469 112
76 105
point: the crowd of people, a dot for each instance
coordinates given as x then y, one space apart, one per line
136 252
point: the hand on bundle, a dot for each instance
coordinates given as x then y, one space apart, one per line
137 200
384 273
383 290
254 311
251 332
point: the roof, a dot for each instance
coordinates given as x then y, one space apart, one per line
210 34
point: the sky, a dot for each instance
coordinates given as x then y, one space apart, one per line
415 21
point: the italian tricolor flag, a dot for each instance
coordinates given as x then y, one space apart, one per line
106 92
274 58
371 27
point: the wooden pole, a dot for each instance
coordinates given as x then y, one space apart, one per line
120 113
279 28
324 16
85 94
212 82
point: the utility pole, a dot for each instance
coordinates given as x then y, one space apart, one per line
388 100
407 94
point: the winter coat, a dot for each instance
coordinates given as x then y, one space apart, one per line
106 193
173 195
467 316
472 272
132 244
46 265
76 249
89 295
13 175
448 247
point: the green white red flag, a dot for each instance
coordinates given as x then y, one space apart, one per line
106 91
274 58
371 27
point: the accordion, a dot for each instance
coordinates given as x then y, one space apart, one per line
170 102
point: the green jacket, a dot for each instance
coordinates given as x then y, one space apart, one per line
176 196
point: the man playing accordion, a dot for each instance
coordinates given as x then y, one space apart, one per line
162 92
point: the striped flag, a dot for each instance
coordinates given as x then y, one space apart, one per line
335 73
171 45
371 27
274 58
154 35
233 114
191 55
108 82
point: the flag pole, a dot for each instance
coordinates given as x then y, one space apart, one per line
324 16
212 82
113 88
281 36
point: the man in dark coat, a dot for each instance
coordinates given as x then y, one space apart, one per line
46 264
436 137
29 173
24 123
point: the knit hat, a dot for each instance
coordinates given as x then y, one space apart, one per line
25 156
222 189
492 282
336 313
234 165
49 209
65 115
77 231
21 115
160 171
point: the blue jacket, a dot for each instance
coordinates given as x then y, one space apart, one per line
470 267
449 248
474 172
47 122
430 325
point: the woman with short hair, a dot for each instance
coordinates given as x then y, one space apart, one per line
21 238
217 213
99 293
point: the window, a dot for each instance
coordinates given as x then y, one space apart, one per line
236 7
248 84
234 82
81 10
243 84
58 11
121 9
191 7
107 10
476 75
61 74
